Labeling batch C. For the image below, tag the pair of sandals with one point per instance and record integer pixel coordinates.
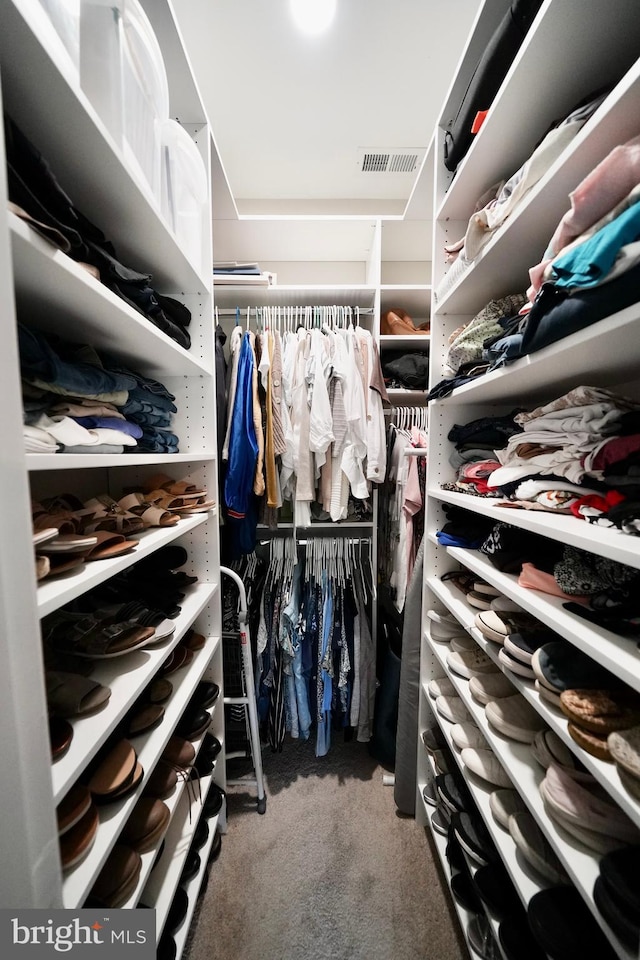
(162, 501)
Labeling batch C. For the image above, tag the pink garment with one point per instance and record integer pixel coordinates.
(534, 579)
(600, 191)
(412, 500)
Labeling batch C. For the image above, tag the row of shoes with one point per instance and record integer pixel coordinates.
(398, 322)
(68, 532)
(572, 796)
(480, 882)
(167, 948)
(603, 713)
(116, 773)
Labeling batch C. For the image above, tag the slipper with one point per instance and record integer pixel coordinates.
(135, 611)
(46, 533)
(175, 504)
(145, 717)
(77, 841)
(151, 513)
(109, 544)
(496, 626)
(178, 488)
(60, 736)
(192, 640)
(198, 506)
(42, 567)
(115, 771)
(70, 695)
(69, 543)
(162, 781)
(84, 636)
(158, 691)
(63, 563)
(105, 513)
(177, 659)
(73, 807)
(118, 878)
(147, 823)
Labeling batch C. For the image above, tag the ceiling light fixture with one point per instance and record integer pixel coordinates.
(313, 16)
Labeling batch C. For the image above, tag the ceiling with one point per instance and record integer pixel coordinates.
(291, 113)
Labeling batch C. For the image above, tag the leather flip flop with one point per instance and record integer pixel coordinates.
(179, 488)
(109, 544)
(143, 718)
(42, 567)
(73, 807)
(41, 536)
(63, 563)
(158, 691)
(146, 825)
(69, 543)
(60, 736)
(177, 659)
(76, 842)
(162, 781)
(151, 513)
(115, 771)
(192, 640)
(118, 878)
(71, 695)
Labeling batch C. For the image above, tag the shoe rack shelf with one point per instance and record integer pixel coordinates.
(160, 888)
(580, 863)
(93, 730)
(148, 748)
(53, 594)
(42, 287)
(562, 60)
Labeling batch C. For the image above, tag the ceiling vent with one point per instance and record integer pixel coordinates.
(389, 161)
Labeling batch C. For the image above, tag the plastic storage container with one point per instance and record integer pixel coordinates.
(122, 73)
(65, 18)
(184, 191)
(100, 61)
(145, 96)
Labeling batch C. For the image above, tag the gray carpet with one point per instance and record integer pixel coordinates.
(330, 872)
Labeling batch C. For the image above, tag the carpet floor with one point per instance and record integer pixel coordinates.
(330, 872)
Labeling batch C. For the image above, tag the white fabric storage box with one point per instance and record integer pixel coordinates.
(184, 190)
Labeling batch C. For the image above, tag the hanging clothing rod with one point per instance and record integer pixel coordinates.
(415, 451)
(231, 311)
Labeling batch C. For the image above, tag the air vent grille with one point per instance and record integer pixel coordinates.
(389, 161)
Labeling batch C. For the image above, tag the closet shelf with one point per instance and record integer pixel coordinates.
(127, 677)
(54, 593)
(556, 369)
(617, 654)
(605, 541)
(399, 395)
(162, 884)
(78, 883)
(525, 880)
(69, 302)
(392, 342)
(580, 55)
(605, 773)
(37, 98)
(415, 298)
(295, 295)
(87, 461)
(440, 843)
(526, 774)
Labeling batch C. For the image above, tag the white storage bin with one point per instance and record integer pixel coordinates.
(145, 94)
(65, 18)
(184, 191)
(100, 61)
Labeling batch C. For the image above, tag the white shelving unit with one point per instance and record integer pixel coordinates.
(579, 55)
(43, 288)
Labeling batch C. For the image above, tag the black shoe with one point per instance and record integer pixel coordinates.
(213, 803)
(191, 867)
(205, 695)
(177, 911)
(201, 835)
(216, 847)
